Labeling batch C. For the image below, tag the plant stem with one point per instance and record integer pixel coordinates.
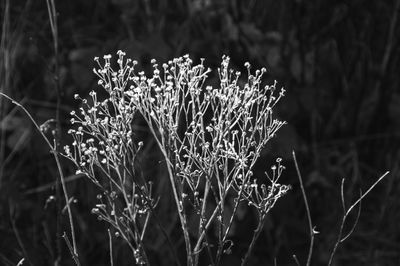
(60, 172)
(237, 201)
(210, 220)
(178, 201)
(347, 212)
(51, 8)
(310, 226)
(18, 236)
(111, 248)
(6, 83)
(202, 217)
(254, 239)
(64, 187)
(337, 240)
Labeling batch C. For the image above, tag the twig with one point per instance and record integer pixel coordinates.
(237, 201)
(296, 260)
(158, 222)
(6, 261)
(310, 225)
(71, 222)
(30, 118)
(254, 239)
(71, 249)
(54, 31)
(163, 231)
(55, 155)
(50, 185)
(18, 236)
(21, 262)
(366, 193)
(354, 224)
(111, 248)
(390, 42)
(51, 8)
(209, 222)
(341, 239)
(5, 85)
(178, 200)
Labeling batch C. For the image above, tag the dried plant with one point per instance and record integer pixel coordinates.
(210, 137)
(104, 150)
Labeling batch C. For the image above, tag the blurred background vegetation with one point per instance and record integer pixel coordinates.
(338, 60)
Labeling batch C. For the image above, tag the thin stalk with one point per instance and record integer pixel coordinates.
(51, 8)
(18, 236)
(136, 234)
(202, 217)
(179, 205)
(157, 219)
(237, 201)
(335, 247)
(167, 238)
(6, 82)
(347, 212)
(146, 222)
(182, 216)
(210, 220)
(70, 248)
(254, 239)
(67, 202)
(56, 158)
(111, 248)
(310, 225)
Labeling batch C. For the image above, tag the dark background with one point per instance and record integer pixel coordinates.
(338, 60)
